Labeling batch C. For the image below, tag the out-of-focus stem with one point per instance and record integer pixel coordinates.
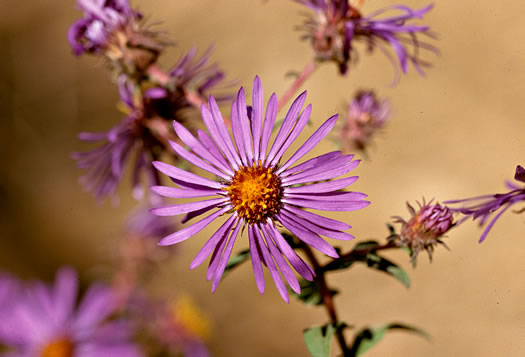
(296, 85)
(327, 295)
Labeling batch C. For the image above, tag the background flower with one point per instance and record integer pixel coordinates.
(45, 321)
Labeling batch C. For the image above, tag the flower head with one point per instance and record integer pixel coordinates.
(336, 26)
(44, 321)
(101, 19)
(142, 136)
(258, 191)
(425, 228)
(366, 114)
(484, 208)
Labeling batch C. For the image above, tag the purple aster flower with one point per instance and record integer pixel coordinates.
(44, 321)
(483, 208)
(366, 114)
(143, 134)
(257, 190)
(101, 19)
(336, 26)
(425, 228)
(9, 290)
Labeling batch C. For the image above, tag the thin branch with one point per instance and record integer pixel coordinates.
(296, 85)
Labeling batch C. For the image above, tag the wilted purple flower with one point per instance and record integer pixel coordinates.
(101, 19)
(336, 26)
(44, 321)
(483, 208)
(143, 134)
(366, 114)
(258, 190)
(425, 228)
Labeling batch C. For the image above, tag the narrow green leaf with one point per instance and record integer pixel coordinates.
(310, 293)
(237, 260)
(369, 337)
(374, 261)
(318, 339)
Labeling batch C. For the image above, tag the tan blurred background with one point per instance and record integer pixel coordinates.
(456, 133)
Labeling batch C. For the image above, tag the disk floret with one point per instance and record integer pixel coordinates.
(255, 192)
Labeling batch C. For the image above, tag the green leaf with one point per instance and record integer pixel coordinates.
(369, 337)
(374, 261)
(237, 260)
(366, 245)
(310, 292)
(318, 339)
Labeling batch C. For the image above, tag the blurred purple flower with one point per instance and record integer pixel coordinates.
(43, 321)
(258, 190)
(483, 208)
(143, 134)
(366, 114)
(145, 225)
(337, 25)
(425, 228)
(101, 19)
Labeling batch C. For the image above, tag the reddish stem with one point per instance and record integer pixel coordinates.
(327, 296)
(296, 85)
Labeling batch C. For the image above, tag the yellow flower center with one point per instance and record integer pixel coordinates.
(59, 348)
(255, 193)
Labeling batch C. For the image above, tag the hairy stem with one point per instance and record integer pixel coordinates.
(327, 295)
(296, 85)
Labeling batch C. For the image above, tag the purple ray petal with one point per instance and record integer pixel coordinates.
(308, 237)
(195, 228)
(269, 122)
(237, 134)
(271, 266)
(185, 176)
(225, 257)
(189, 216)
(312, 141)
(65, 294)
(315, 175)
(216, 255)
(297, 129)
(287, 272)
(174, 210)
(221, 127)
(287, 125)
(211, 146)
(183, 192)
(244, 125)
(210, 245)
(338, 196)
(314, 162)
(194, 144)
(298, 264)
(491, 224)
(255, 254)
(197, 161)
(217, 135)
(327, 206)
(319, 220)
(321, 187)
(330, 233)
(258, 106)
